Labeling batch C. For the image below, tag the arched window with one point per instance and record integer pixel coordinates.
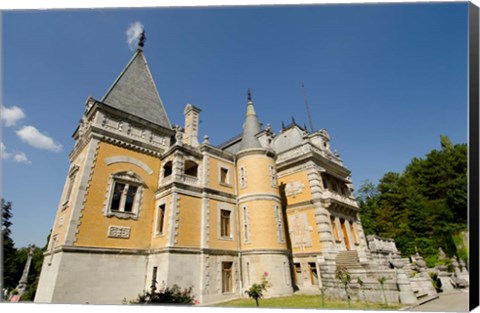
(191, 168)
(167, 169)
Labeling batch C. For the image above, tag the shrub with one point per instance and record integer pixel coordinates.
(172, 295)
(256, 290)
(344, 276)
(437, 283)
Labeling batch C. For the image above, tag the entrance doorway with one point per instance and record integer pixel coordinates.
(345, 234)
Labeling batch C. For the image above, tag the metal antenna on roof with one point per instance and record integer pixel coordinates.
(308, 108)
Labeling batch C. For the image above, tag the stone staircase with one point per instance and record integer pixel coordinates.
(348, 259)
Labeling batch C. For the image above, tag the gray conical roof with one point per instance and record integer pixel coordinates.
(251, 128)
(135, 93)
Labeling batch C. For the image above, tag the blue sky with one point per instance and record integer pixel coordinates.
(384, 80)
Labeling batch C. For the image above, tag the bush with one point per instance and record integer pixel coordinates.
(256, 290)
(437, 283)
(173, 295)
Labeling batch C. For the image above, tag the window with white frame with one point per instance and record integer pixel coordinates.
(125, 195)
(246, 235)
(224, 176)
(227, 281)
(225, 223)
(71, 181)
(273, 176)
(278, 219)
(243, 177)
(160, 219)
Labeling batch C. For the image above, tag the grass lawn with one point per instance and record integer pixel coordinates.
(304, 302)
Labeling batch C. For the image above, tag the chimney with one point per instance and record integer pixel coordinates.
(192, 119)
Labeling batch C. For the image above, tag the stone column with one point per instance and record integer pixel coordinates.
(322, 218)
(22, 284)
(350, 236)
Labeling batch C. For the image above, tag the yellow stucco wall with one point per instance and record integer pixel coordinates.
(59, 229)
(161, 240)
(190, 220)
(262, 225)
(93, 227)
(214, 175)
(257, 174)
(296, 179)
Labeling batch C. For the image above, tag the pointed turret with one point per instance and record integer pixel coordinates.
(251, 127)
(135, 93)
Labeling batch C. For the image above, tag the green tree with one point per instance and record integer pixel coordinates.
(344, 276)
(11, 271)
(423, 207)
(367, 196)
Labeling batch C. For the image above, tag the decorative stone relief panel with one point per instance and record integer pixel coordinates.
(300, 230)
(294, 188)
(118, 232)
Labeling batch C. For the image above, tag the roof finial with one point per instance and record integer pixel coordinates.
(141, 40)
(249, 95)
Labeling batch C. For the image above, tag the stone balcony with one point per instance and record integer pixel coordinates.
(328, 195)
(182, 178)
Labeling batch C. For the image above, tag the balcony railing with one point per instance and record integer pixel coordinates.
(339, 197)
(182, 178)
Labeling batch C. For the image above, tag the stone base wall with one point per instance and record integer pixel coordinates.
(94, 278)
(279, 273)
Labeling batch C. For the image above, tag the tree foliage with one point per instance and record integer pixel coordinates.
(11, 272)
(423, 207)
(14, 259)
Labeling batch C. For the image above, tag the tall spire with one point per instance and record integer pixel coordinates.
(251, 127)
(134, 91)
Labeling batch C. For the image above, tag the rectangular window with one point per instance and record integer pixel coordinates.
(71, 181)
(227, 277)
(278, 217)
(298, 274)
(224, 176)
(273, 176)
(131, 191)
(245, 224)
(243, 177)
(117, 196)
(313, 273)
(286, 272)
(123, 198)
(160, 219)
(224, 223)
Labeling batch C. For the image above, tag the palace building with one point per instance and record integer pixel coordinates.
(144, 200)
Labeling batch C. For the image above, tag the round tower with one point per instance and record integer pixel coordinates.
(262, 224)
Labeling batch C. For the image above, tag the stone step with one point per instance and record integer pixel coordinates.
(348, 259)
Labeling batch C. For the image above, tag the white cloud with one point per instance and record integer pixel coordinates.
(33, 137)
(21, 158)
(11, 115)
(133, 32)
(3, 151)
